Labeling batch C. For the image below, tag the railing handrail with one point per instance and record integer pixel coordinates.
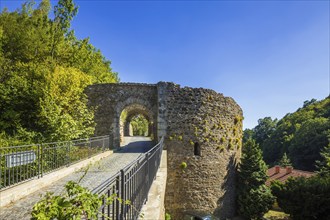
(26, 162)
(19, 146)
(142, 155)
(132, 183)
(57, 142)
(100, 188)
(104, 184)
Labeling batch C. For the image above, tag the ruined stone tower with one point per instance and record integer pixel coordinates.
(203, 137)
(204, 131)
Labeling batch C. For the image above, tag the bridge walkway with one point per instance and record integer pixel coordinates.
(97, 173)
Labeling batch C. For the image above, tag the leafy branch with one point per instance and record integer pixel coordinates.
(77, 203)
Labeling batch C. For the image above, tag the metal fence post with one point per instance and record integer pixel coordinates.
(123, 209)
(2, 183)
(116, 214)
(90, 148)
(68, 154)
(41, 160)
(147, 177)
(39, 165)
(111, 145)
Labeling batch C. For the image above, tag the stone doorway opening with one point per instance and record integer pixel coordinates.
(136, 120)
(136, 125)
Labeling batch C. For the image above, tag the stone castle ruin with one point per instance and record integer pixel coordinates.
(203, 138)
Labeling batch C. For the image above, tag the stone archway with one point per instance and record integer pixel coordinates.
(129, 113)
(110, 100)
(133, 108)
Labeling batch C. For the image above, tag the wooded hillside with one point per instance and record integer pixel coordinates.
(44, 69)
(301, 135)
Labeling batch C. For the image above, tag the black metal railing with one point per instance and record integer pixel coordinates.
(22, 163)
(125, 193)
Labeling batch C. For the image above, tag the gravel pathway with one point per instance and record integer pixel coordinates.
(97, 173)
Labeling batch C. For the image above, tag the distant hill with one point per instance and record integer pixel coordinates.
(301, 135)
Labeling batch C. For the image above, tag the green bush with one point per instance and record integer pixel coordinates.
(304, 198)
(78, 203)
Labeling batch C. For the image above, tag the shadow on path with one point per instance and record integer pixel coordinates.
(136, 144)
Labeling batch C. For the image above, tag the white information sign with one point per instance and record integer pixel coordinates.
(20, 158)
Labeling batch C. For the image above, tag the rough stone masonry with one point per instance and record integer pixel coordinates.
(203, 137)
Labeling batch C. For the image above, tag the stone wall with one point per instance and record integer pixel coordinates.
(109, 100)
(202, 129)
(204, 118)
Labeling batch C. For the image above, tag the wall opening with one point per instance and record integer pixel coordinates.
(138, 126)
(197, 149)
(136, 120)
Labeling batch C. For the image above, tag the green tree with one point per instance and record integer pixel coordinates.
(308, 141)
(140, 125)
(254, 197)
(64, 12)
(64, 105)
(247, 134)
(323, 165)
(309, 102)
(285, 161)
(301, 134)
(266, 126)
(35, 53)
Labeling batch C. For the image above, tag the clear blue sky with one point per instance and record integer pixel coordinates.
(270, 56)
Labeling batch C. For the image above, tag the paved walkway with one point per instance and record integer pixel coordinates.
(97, 173)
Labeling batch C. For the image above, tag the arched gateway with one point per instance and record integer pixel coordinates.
(201, 127)
(110, 100)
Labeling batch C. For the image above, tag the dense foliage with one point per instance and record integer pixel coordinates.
(254, 197)
(304, 198)
(140, 125)
(44, 69)
(76, 203)
(301, 135)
